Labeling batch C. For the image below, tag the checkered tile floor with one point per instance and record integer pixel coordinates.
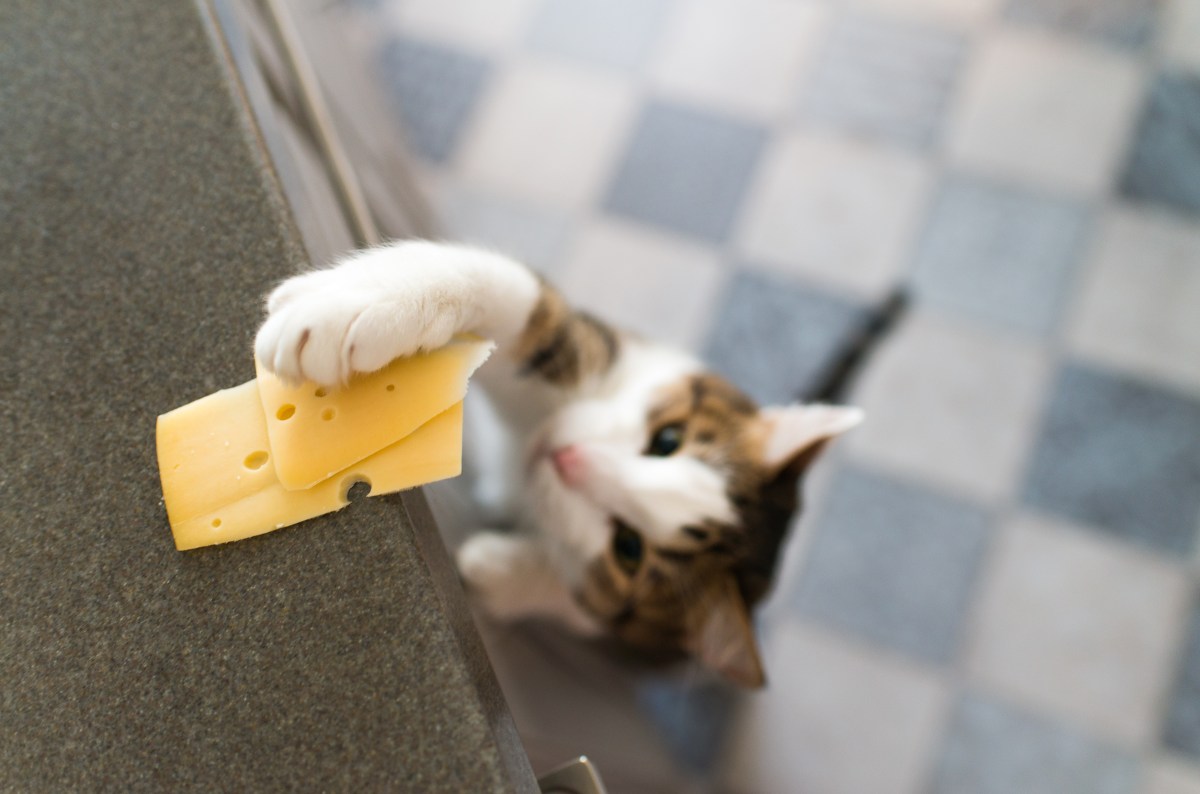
(994, 589)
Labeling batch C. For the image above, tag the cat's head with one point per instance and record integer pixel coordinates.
(667, 499)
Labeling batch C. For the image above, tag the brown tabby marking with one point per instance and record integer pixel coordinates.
(564, 346)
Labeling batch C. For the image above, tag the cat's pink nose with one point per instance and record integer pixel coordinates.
(569, 463)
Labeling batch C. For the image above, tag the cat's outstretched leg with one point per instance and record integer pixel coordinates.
(402, 298)
(391, 301)
(512, 578)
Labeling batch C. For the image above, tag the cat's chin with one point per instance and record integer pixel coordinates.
(548, 486)
(567, 517)
(538, 454)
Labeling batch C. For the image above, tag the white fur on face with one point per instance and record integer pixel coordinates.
(655, 495)
(610, 476)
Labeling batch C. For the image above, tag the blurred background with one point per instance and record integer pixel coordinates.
(994, 586)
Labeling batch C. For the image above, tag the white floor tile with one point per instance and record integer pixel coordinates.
(1138, 305)
(1180, 33)
(836, 210)
(548, 133)
(1074, 625)
(951, 404)
(744, 56)
(654, 284)
(1168, 775)
(486, 25)
(957, 13)
(836, 718)
(611, 34)
(1046, 111)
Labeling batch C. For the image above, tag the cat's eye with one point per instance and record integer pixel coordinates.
(627, 547)
(666, 441)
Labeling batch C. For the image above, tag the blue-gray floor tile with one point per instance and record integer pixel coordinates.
(692, 719)
(992, 748)
(618, 34)
(434, 89)
(686, 169)
(774, 338)
(1127, 23)
(1164, 162)
(886, 78)
(894, 563)
(1120, 455)
(1182, 731)
(1000, 254)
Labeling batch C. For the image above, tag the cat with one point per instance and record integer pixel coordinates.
(658, 493)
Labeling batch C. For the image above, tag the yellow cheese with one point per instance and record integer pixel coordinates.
(214, 457)
(317, 432)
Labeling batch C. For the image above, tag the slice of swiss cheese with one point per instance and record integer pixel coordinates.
(316, 432)
(219, 483)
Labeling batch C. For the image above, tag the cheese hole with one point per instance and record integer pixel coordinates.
(328, 414)
(216, 522)
(391, 387)
(320, 393)
(356, 487)
(286, 411)
(255, 460)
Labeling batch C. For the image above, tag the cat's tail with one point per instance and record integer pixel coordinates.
(834, 382)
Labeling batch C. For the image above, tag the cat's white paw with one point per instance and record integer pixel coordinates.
(326, 325)
(307, 330)
(492, 565)
(511, 578)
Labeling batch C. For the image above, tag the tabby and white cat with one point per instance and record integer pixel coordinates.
(657, 494)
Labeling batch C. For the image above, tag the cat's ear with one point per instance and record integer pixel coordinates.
(795, 433)
(722, 636)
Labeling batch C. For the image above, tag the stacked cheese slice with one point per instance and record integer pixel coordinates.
(264, 455)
